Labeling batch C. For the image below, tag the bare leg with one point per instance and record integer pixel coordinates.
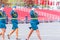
(38, 34)
(31, 31)
(3, 33)
(0, 33)
(16, 33)
(10, 34)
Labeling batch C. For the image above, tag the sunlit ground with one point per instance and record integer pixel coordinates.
(49, 31)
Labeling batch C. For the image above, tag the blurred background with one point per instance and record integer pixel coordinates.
(49, 10)
(49, 18)
(29, 3)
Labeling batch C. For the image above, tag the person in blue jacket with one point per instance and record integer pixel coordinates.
(14, 21)
(34, 22)
(2, 21)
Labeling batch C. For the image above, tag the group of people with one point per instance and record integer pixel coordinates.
(34, 22)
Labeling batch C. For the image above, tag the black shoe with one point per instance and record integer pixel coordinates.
(26, 39)
(30, 27)
(17, 39)
(8, 37)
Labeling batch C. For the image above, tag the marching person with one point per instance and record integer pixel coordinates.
(2, 21)
(34, 22)
(14, 21)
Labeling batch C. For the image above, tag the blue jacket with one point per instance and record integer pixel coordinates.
(14, 17)
(2, 17)
(33, 15)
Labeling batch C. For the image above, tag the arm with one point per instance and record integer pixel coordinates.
(32, 13)
(4, 13)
